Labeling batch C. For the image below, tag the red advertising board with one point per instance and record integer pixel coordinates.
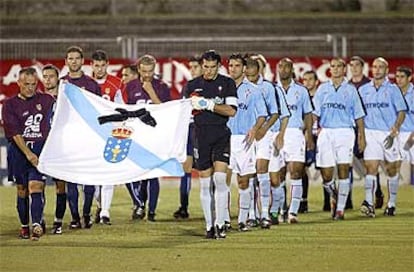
(175, 71)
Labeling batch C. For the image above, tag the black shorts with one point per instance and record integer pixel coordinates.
(211, 144)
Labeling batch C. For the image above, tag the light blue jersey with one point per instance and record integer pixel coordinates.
(337, 107)
(284, 111)
(268, 91)
(299, 104)
(251, 105)
(382, 105)
(408, 124)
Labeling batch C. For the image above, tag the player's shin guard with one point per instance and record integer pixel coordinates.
(107, 192)
(244, 204)
(220, 197)
(73, 198)
(89, 191)
(392, 190)
(276, 196)
(60, 207)
(205, 198)
(23, 210)
(370, 187)
(36, 208)
(154, 192)
(343, 191)
(185, 187)
(252, 205)
(296, 195)
(264, 185)
(330, 188)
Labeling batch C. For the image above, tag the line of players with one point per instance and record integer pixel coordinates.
(262, 149)
(271, 133)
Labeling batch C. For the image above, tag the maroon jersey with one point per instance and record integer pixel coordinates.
(363, 81)
(85, 82)
(136, 94)
(29, 118)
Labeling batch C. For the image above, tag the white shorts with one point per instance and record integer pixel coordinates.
(294, 147)
(407, 155)
(334, 146)
(264, 146)
(277, 161)
(375, 150)
(242, 160)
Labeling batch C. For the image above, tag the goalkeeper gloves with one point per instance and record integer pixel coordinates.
(201, 103)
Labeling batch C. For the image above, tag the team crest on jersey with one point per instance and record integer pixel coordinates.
(107, 90)
(39, 107)
(219, 100)
(118, 145)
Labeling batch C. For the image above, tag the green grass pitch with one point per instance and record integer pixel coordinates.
(317, 243)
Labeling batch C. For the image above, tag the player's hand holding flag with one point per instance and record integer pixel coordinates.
(201, 103)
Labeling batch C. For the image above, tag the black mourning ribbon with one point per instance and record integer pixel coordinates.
(142, 114)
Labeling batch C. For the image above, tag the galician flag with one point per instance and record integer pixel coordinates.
(94, 141)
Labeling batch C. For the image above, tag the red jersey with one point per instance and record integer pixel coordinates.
(110, 86)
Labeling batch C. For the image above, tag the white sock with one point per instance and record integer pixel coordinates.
(257, 201)
(220, 197)
(296, 193)
(228, 202)
(392, 190)
(244, 205)
(276, 195)
(107, 192)
(97, 195)
(370, 187)
(330, 187)
(205, 198)
(264, 185)
(343, 191)
(252, 205)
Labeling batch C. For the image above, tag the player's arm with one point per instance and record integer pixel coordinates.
(266, 126)
(147, 86)
(308, 120)
(251, 134)
(279, 141)
(361, 134)
(229, 108)
(395, 129)
(21, 144)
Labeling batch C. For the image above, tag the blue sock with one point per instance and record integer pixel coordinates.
(43, 202)
(154, 191)
(185, 186)
(23, 210)
(143, 191)
(89, 191)
(36, 208)
(60, 206)
(73, 198)
(133, 189)
(351, 176)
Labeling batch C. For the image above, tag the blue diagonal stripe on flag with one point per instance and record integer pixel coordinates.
(138, 154)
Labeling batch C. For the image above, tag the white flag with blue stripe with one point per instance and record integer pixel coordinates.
(79, 149)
